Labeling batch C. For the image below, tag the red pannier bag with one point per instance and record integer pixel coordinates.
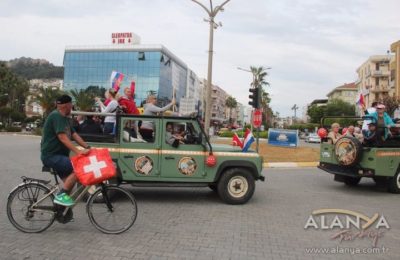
(94, 167)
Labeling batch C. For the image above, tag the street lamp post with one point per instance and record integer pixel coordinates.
(212, 12)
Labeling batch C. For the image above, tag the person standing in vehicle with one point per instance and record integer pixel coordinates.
(109, 121)
(128, 103)
(150, 109)
(367, 112)
(56, 145)
(383, 122)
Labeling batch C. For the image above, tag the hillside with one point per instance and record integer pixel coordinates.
(35, 68)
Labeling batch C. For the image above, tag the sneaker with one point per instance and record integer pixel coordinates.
(64, 200)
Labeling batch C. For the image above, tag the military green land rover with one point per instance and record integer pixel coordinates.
(349, 160)
(152, 160)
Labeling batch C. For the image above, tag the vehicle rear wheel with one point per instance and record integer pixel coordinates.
(394, 183)
(349, 181)
(236, 186)
(24, 211)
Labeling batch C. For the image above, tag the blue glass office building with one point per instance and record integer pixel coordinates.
(153, 67)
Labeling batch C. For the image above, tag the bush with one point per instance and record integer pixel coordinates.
(263, 134)
(13, 129)
(37, 131)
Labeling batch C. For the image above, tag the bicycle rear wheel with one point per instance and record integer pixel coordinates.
(25, 217)
(112, 214)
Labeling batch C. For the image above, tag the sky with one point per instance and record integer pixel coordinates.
(312, 46)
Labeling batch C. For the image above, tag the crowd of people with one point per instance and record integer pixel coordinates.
(114, 103)
(375, 128)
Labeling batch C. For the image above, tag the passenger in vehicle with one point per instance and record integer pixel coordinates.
(383, 122)
(109, 121)
(358, 134)
(127, 102)
(171, 138)
(334, 134)
(150, 108)
(350, 131)
(89, 126)
(370, 136)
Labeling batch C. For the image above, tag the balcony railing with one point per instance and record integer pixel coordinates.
(380, 89)
(380, 73)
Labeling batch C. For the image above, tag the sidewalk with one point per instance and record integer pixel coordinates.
(289, 164)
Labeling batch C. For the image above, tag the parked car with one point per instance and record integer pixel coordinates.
(313, 138)
(16, 124)
(30, 126)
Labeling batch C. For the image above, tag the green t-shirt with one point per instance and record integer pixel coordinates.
(50, 144)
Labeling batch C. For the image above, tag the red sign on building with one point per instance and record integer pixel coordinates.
(122, 38)
(257, 118)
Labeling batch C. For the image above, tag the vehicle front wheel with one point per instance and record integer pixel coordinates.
(349, 181)
(236, 186)
(394, 183)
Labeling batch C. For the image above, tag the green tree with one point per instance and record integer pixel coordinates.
(338, 107)
(96, 91)
(46, 98)
(84, 101)
(391, 104)
(231, 103)
(13, 89)
(315, 113)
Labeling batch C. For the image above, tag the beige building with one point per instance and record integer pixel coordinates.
(374, 78)
(218, 97)
(395, 68)
(346, 92)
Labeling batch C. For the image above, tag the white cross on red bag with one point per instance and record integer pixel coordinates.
(94, 167)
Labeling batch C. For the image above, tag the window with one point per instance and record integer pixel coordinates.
(137, 131)
(181, 133)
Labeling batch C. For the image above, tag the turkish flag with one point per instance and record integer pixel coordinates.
(94, 167)
(236, 141)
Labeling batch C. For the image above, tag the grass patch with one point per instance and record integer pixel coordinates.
(282, 154)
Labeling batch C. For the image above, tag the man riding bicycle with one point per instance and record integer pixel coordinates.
(56, 145)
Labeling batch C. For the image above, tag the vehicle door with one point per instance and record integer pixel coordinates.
(139, 156)
(181, 160)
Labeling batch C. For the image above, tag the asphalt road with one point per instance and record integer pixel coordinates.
(192, 223)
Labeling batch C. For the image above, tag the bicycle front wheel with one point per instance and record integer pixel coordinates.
(26, 217)
(112, 209)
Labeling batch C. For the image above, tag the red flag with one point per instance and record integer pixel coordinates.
(236, 141)
(94, 167)
(361, 101)
(133, 85)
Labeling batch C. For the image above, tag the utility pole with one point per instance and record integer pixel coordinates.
(212, 12)
(295, 107)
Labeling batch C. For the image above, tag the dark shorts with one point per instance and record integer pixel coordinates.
(61, 164)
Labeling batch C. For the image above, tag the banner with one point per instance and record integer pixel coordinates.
(283, 137)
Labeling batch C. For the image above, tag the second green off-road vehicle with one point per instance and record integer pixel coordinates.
(154, 161)
(349, 160)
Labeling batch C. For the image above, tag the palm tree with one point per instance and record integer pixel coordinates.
(84, 100)
(259, 74)
(47, 99)
(231, 103)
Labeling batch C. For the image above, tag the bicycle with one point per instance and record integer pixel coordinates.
(106, 205)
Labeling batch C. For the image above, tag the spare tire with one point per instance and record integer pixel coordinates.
(348, 151)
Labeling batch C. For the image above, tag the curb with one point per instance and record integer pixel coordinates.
(290, 164)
